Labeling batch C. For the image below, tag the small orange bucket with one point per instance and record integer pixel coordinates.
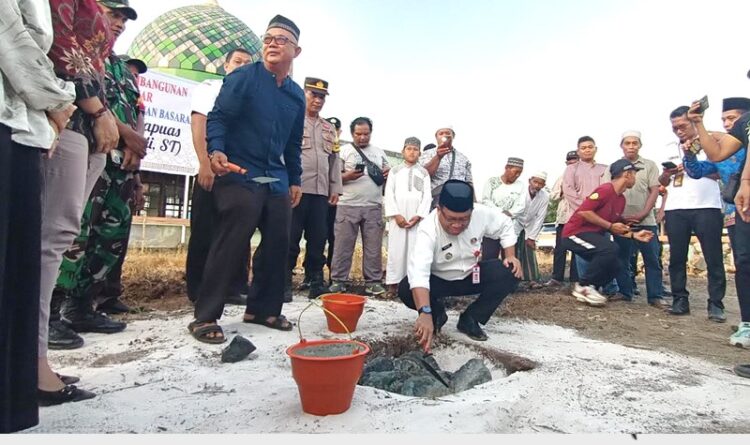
(347, 307)
(326, 373)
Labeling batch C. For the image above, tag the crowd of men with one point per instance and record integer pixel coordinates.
(73, 135)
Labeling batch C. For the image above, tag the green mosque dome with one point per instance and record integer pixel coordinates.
(192, 41)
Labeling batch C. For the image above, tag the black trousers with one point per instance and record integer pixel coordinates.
(241, 210)
(707, 225)
(204, 220)
(20, 268)
(331, 235)
(496, 283)
(310, 217)
(561, 257)
(601, 253)
(741, 250)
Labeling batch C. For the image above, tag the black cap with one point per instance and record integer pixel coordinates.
(138, 63)
(736, 103)
(335, 122)
(122, 6)
(572, 155)
(284, 23)
(621, 166)
(429, 147)
(457, 196)
(315, 84)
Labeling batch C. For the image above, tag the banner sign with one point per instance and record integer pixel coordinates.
(167, 119)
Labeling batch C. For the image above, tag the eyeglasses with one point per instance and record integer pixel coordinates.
(462, 221)
(279, 40)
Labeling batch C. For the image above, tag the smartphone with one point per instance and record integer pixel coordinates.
(359, 167)
(669, 165)
(702, 105)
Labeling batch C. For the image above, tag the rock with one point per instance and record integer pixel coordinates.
(238, 350)
(379, 364)
(471, 374)
(424, 386)
(409, 366)
(385, 380)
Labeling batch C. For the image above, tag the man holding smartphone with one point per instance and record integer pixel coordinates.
(719, 147)
(360, 209)
(445, 162)
(693, 207)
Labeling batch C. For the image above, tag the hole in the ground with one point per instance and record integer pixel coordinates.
(397, 364)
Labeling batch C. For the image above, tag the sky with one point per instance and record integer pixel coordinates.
(513, 78)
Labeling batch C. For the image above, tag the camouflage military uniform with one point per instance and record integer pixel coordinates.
(107, 215)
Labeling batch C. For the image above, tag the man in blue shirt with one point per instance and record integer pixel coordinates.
(254, 135)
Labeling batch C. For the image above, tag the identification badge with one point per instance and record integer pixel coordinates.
(475, 274)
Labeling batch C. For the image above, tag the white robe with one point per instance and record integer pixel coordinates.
(407, 193)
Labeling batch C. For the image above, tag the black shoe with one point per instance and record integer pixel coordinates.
(317, 286)
(680, 306)
(715, 313)
(68, 379)
(62, 337)
(439, 320)
(742, 371)
(113, 305)
(636, 291)
(238, 300)
(307, 282)
(470, 327)
(90, 321)
(70, 393)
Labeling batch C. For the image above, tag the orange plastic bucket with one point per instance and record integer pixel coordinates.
(347, 307)
(326, 382)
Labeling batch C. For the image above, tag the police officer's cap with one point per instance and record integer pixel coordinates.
(316, 85)
(457, 196)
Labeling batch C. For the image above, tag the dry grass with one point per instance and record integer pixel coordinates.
(154, 275)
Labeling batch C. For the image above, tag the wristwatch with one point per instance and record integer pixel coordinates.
(424, 310)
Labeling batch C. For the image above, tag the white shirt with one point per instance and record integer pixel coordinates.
(507, 197)
(452, 257)
(363, 191)
(204, 96)
(700, 193)
(532, 219)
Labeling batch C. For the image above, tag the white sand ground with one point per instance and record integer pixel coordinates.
(155, 378)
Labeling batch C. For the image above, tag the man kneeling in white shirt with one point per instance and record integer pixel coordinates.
(446, 261)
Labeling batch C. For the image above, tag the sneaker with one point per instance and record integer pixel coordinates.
(305, 284)
(552, 283)
(374, 289)
(742, 336)
(715, 313)
(588, 295)
(337, 287)
(62, 337)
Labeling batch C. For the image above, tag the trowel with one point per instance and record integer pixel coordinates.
(234, 168)
(432, 370)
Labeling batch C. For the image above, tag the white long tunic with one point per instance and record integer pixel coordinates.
(532, 219)
(407, 193)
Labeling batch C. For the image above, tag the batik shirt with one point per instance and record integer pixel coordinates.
(82, 43)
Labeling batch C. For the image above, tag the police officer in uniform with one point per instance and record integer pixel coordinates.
(321, 187)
